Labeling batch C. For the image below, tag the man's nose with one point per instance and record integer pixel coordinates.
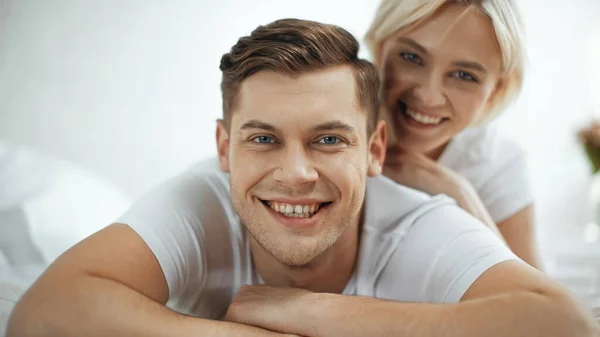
(296, 167)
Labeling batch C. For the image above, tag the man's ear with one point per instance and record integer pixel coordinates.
(377, 148)
(223, 145)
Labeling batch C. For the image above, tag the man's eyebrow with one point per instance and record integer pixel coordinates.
(334, 125)
(256, 124)
(413, 44)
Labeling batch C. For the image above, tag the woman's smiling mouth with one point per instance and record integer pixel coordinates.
(417, 118)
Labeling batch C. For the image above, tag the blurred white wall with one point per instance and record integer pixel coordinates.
(558, 98)
(130, 88)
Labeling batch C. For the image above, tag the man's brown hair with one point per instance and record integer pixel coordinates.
(293, 47)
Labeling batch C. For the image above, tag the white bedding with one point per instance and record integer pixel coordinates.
(46, 206)
(9, 294)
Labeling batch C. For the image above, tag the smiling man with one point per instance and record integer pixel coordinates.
(293, 218)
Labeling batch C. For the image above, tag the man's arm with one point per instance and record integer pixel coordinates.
(468, 283)
(510, 299)
(109, 285)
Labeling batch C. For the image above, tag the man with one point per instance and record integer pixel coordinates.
(302, 210)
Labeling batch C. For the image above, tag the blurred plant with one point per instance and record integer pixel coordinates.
(590, 136)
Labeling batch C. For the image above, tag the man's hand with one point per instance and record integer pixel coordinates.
(275, 309)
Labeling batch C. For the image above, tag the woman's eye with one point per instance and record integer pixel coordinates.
(465, 76)
(329, 140)
(263, 140)
(410, 57)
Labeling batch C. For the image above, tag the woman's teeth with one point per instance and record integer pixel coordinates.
(294, 211)
(423, 119)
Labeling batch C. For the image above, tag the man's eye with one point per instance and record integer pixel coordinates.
(329, 140)
(263, 140)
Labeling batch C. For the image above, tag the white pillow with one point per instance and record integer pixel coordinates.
(77, 205)
(9, 294)
(61, 204)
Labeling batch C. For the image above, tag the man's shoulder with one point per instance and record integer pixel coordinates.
(205, 170)
(413, 244)
(419, 248)
(439, 257)
(197, 195)
(391, 207)
(202, 180)
(190, 224)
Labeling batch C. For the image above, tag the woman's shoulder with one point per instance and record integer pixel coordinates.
(485, 145)
(496, 166)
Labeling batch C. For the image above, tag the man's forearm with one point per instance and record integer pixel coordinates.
(523, 314)
(91, 306)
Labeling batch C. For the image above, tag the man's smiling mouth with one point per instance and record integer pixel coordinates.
(295, 210)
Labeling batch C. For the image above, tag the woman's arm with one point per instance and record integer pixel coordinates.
(519, 233)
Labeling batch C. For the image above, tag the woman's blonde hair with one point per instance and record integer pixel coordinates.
(393, 15)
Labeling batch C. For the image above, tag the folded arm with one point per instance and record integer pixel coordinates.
(109, 285)
(445, 257)
(510, 299)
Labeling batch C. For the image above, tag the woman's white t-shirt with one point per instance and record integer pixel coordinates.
(495, 165)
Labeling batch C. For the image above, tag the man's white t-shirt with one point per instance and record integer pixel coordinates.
(414, 248)
(496, 167)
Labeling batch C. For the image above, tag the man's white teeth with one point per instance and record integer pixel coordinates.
(295, 211)
(423, 118)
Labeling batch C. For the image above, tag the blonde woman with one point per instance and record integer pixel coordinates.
(447, 68)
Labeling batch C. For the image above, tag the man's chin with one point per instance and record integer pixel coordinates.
(292, 252)
(298, 252)
(296, 261)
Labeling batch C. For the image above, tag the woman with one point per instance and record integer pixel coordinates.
(447, 67)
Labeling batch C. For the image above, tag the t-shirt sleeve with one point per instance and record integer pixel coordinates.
(165, 220)
(507, 189)
(443, 254)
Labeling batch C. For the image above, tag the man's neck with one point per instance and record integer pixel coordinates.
(329, 272)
